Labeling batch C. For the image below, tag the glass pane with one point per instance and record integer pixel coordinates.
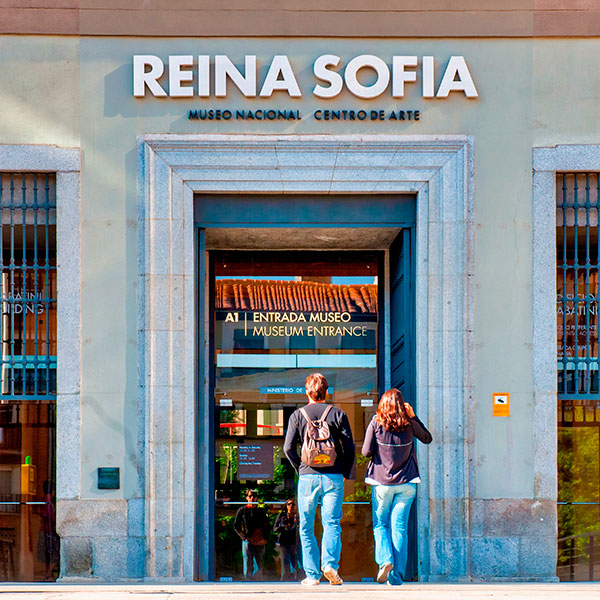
(578, 489)
(27, 285)
(577, 244)
(278, 318)
(29, 546)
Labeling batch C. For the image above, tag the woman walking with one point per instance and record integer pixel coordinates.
(393, 475)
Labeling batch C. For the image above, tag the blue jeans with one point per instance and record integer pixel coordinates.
(391, 507)
(252, 554)
(329, 490)
(288, 555)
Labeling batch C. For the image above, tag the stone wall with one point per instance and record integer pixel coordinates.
(101, 539)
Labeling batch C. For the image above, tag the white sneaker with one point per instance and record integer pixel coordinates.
(333, 576)
(384, 571)
(310, 581)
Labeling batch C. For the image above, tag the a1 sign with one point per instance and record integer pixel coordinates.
(501, 405)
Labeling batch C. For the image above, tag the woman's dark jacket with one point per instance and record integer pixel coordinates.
(392, 453)
(286, 528)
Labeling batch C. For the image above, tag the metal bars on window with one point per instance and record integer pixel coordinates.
(28, 286)
(578, 249)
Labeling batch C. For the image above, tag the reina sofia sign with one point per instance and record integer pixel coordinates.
(190, 76)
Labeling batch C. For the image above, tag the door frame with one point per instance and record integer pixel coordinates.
(439, 170)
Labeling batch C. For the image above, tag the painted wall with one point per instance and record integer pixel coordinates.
(503, 140)
(39, 90)
(74, 92)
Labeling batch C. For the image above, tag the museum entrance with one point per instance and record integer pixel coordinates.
(289, 285)
(277, 317)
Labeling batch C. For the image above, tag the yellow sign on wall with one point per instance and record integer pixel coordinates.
(28, 483)
(501, 405)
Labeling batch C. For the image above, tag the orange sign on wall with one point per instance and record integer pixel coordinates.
(501, 405)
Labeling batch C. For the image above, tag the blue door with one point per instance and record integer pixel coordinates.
(402, 326)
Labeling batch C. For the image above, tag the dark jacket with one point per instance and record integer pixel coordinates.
(286, 528)
(392, 453)
(341, 433)
(252, 525)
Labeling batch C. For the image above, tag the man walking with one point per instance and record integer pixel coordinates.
(327, 457)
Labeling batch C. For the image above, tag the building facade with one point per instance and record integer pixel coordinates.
(200, 206)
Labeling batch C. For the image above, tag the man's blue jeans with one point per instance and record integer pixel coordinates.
(391, 507)
(252, 554)
(329, 490)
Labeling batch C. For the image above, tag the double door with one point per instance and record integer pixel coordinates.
(277, 317)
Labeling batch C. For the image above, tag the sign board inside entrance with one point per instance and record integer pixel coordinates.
(255, 461)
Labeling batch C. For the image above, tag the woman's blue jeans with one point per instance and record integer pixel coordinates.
(391, 507)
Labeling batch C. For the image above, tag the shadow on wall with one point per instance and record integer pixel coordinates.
(120, 101)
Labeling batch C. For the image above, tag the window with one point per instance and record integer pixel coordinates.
(28, 286)
(28, 542)
(578, 211)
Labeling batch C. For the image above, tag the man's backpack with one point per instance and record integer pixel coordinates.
(318, 447)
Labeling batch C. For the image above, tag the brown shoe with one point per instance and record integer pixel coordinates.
(333, 576)
(384, 571)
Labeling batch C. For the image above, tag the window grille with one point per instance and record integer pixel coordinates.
(578, 212)
(28, 286)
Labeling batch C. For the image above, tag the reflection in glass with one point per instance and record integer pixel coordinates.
(277, 318)
(577, 252)
(578, 488)
(29, 545)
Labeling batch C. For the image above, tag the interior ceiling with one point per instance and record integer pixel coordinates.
(301, 238)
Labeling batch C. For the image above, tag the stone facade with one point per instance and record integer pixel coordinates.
(152, 537)
(472, 524)
(317, 164)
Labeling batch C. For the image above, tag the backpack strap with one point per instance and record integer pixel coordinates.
(326, 412)
(323, 416)
(305, 414)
